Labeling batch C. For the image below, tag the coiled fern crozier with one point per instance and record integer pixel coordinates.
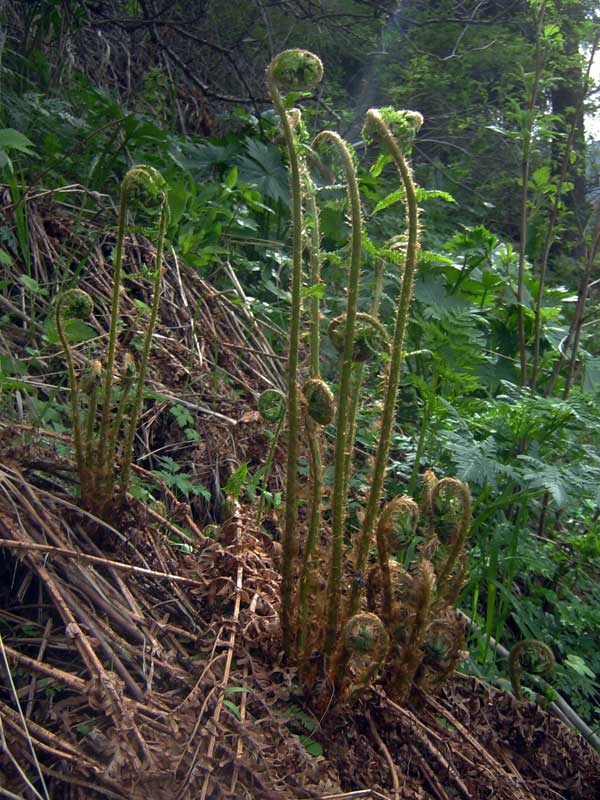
(528, 655)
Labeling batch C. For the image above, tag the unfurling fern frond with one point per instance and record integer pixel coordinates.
(529, 655)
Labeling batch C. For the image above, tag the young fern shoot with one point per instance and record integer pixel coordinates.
(271, 407)
(339, 482)
(74, 304)
(158, 194)
(410, 636)
(292, 70)
(320, 410)
(142, 188)
(394, 130)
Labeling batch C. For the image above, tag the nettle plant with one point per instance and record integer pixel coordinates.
(346, 622)
(104, 411)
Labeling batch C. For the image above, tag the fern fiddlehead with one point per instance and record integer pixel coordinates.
(528, 655)
(366, 642)
(370, 337)
(320, 401)
(406, 666)
(396, 526)
(149, 191)
(451, 490)
(292, 70)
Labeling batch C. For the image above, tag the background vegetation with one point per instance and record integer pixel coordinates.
(502, 376)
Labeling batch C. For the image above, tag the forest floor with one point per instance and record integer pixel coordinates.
(142, 658)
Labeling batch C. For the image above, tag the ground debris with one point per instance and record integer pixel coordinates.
(139, 685)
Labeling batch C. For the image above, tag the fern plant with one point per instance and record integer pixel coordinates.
(96, 446)
(292, 70)
(409, 633)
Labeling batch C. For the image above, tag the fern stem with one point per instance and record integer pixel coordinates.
(339, 484)
(309, 556)
(313, 434)
(290, 66)
(396, 360)
(267, 472)
(358, 379)
(74, 395)
(137, 402)
(291, 511)
(103, 468)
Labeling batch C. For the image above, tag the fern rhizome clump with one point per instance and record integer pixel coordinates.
(110, 413)
(346, 622)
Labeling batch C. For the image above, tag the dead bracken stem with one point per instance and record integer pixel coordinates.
(387, 756)
(228, 662)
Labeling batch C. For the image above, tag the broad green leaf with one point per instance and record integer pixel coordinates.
(32, 285)
(79, 331)
(76, 330)
(433, 194)
(541, 178)
(578, 665)
(551, 30)
(262, 167)
(178, 200)
(317, 290)
(198, 158)
(12, 366)
(10, 139)
(591, 374)
(377, 168)
(231, 178)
